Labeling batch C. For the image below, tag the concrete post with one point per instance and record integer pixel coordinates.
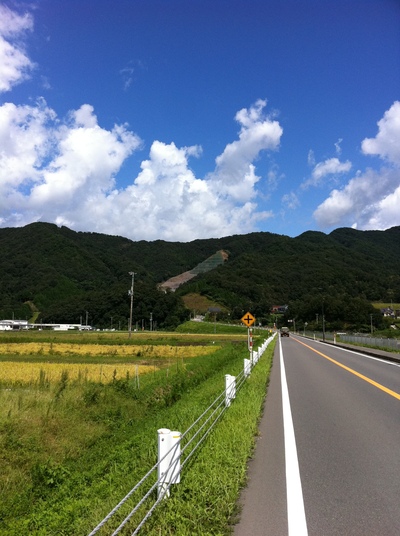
(164, 459)
(230, 389)
(169, 464)
(247, 367)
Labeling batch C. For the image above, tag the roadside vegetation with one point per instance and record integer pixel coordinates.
(73, 444)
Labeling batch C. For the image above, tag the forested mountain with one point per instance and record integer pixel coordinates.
(62, 274)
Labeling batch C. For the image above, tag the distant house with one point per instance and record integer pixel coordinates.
(388, 312)
(279, 309)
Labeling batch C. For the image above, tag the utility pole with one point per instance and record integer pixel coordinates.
(130, 293)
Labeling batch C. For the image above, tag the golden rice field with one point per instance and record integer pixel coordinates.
(11, 371)
(27, 372)
(144, 351)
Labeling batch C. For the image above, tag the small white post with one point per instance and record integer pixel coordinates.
(230, 389)
(169, 464)
(247, 367)
(227, 388)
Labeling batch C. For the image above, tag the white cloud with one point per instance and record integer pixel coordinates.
(274, 177)
(386, 144)
(66, 171)
(128, 72)
(48, 166)
(357, 201)
(127, 76)
(370, 200)
(234, 175)
(291, 200)
(330, 167)
(337, 146)
(14, 63)
(25, 139)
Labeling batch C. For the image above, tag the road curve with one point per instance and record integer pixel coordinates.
(345, 414)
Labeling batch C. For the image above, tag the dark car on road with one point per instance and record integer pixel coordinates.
(285, 332)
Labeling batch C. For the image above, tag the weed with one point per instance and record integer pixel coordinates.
(62, 385)
(91, 394)
(47, 475)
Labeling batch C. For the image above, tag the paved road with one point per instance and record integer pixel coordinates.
(327, 461)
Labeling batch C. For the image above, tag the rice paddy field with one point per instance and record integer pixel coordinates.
(79, 414)
(49, 360)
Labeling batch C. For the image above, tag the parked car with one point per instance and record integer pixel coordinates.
(285, 332)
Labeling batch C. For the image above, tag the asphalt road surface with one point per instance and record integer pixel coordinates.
(327, 461)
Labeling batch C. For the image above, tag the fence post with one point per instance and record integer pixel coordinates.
(169, 465)
(247, 367)
(230, 389)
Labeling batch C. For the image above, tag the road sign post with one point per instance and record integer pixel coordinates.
(248, 319)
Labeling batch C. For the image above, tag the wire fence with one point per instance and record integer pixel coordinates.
(380, 342)
(387, 343)
(189, 443)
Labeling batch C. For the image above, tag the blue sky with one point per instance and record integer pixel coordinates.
(185, 119)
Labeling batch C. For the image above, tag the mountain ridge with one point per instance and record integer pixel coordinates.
(66, 273)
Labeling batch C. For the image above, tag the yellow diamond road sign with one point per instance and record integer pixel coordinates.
(248, 319)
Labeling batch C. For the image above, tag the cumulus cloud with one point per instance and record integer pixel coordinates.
(66, 171)
(386, 144)
(330, 167)
(14, 63)
(359, 201)
(48, 166)
(370, 200)
(234, 175)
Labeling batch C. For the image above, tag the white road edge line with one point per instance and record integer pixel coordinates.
(297, 523)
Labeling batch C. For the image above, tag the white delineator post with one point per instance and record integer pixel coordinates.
(247, 367)
(230, 389)
(169, 466)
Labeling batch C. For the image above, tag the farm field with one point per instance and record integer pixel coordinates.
(71, 443)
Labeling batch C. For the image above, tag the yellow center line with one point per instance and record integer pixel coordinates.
(365, 378)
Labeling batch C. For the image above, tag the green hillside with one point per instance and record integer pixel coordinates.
(63, 274)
